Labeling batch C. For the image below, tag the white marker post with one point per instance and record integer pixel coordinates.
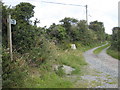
(73, 46)
(10, 21)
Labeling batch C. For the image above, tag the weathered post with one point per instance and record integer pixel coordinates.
(9, 36)
(119, 14)
(86, 13)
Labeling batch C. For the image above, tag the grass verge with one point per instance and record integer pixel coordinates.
(43, 76)
(49, 80)
(113, 53)
(98, 50)
(74, 59)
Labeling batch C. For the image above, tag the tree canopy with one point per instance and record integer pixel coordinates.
(24, 11)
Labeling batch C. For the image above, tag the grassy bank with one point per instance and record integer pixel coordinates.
(46, 77)
(113, 53)
(43, 75)
(98, 50)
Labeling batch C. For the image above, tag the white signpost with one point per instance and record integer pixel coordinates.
(13, 21)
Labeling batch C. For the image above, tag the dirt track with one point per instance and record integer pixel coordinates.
(106, 65)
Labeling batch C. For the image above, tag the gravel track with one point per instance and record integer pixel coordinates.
(105, 64)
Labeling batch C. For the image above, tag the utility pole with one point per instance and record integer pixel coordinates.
(119, 14)
(86, 6)
(86, 13)
(9, 36)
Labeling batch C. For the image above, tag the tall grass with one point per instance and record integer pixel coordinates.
(113, 53)
(73, 58)
(49, 80)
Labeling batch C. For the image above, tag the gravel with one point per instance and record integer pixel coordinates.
(102, 63)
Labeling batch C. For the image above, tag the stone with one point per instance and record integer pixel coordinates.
(67, 69)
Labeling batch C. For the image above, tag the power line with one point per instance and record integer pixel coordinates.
(63, 3)
(86, 6)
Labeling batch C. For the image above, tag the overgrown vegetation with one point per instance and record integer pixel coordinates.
(113, 53)
(37, 49)
(114, 49)
(98, 50)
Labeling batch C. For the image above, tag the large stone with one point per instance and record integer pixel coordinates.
(67, 69)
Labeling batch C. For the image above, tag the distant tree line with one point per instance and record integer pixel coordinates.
(74, 30)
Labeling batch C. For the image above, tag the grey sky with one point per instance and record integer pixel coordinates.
(105, 11)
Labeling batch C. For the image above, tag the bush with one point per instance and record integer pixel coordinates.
(14, 71)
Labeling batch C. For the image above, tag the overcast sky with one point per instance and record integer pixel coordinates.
(105, 11)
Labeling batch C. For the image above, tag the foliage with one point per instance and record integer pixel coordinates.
(86, 36)
(73, 59)
(23, 12)
(42, 52)
(98, 27)
(115, 42)
(67, 22)
(49, 80)
(57, 31)
(108, 37)
(4, 24)
(114, 49)
(14, 71)
(113, 53)
(60, 72)
(98, 50)
(73, 30)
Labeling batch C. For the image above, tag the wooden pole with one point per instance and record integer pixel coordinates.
(86, 14)
(119, 14)
(9, 37)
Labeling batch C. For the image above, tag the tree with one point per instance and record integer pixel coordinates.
(4, 25)
(23, 12)
(36, 21)
(57, 31)
(86, 36)
(115, 42)
(67, 23)
(23, 32)
(98, 27)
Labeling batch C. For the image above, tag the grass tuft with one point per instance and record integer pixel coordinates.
(98, 50)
